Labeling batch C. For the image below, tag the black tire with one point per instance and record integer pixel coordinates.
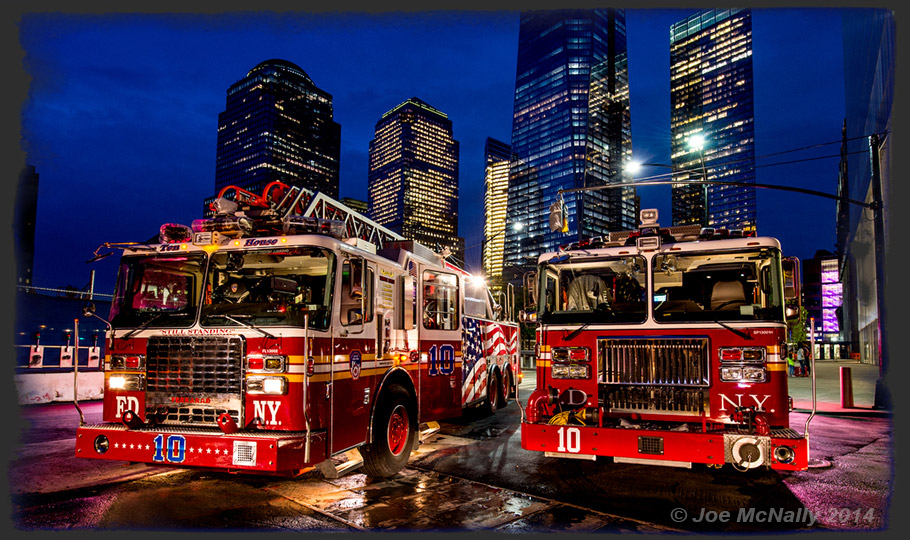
(507, 392)
(492, 401)
(394, 434)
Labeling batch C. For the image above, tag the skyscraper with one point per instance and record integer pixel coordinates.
(277, 125)
(712, 103)
(413, 175)
(570, 129)
(498, 156)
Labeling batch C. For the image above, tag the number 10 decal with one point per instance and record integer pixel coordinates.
(176, 446)
(445, 364)
(569, 440)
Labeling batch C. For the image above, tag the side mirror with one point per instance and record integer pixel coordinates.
(791, 313)
(527, 317)
(530, 286)
(790, 266)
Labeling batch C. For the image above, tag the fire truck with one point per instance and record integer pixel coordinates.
(288, 332)
(665, 346)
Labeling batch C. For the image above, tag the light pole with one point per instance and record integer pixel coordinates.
(697, 142)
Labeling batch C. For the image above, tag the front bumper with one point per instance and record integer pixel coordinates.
(669, 447)
(254, 452)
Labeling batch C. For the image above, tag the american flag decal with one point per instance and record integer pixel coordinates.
(483, 343)
(473, 363)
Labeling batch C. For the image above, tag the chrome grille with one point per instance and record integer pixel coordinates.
(654, 362)
(195, 365)
(659, 399)
(193, 380)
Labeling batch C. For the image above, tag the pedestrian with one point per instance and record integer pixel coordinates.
(804, 362)
(791, 363)
(800, 359)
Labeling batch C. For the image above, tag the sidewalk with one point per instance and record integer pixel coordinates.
(828, 389)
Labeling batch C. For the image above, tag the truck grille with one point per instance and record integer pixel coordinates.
(659, 399)
(192, 380)
(654, 375)
(654, 362)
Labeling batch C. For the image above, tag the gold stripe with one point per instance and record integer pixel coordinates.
(776, 367)
(773, 349)
(543, 363)
(544, 348)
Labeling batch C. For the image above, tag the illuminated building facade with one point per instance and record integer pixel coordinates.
(869, 60)
(712, 97)
(571, 128)
(498, 157)
(413, 176)
(823, 296)
(277, 125)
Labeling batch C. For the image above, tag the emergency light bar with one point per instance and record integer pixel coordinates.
(226, 225)
(171, 233)
(309, 225)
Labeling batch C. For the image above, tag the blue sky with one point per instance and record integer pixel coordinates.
(122, 110)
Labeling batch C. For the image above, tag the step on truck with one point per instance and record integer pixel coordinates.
(288, 332)
(664, 346)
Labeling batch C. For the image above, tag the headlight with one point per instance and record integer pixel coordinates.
(126, 381)
(569, 371)
(266, 385)
(752, 374)
(731, 373)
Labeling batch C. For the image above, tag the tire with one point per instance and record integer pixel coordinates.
(394, 433)
(506, 389)
(491, 404)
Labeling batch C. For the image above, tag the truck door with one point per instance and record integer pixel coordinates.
(354, 356)
(440, 345)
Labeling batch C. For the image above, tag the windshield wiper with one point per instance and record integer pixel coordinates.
(736, 331)
(577, 331)
(144, 325)
(244, 323)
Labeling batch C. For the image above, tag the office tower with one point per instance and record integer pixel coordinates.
(497, 159)
(570, 129)
(24, 219)
(357, 205)
(869, 65)
(712, 119)
(413, 176)
(277, 125)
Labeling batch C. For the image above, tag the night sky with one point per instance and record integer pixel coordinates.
(122, 111)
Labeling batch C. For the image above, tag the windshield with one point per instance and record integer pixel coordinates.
(737, 286)
(597, 291)
(275, 287)
(157, 291)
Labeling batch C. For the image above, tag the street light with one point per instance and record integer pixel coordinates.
(697, 142)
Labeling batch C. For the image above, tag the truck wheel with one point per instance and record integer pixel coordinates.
(506, 390)
(394, 433)
(491, 404)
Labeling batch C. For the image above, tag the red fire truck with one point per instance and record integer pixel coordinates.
(287, 329)
(665, 346)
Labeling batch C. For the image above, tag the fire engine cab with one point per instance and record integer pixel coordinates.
(665, 346)
(287, 329)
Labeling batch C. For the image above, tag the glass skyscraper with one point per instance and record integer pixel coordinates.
(497, 159)
(570, 129)
(711, 98)
(413, 176)
(277, 125)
